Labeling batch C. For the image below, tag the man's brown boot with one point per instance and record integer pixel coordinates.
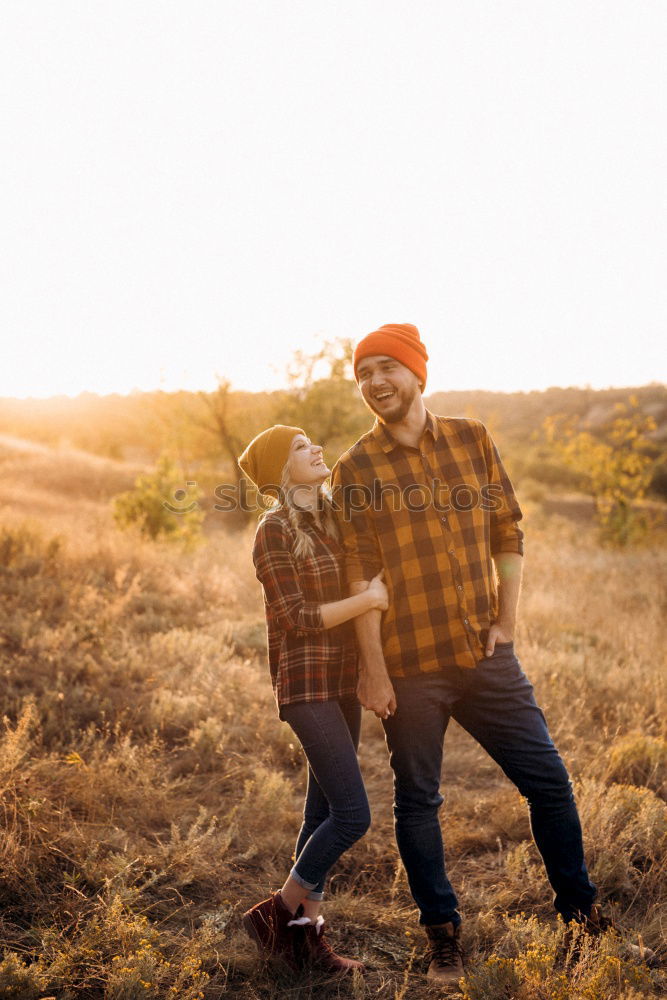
(268, 924)
(445, 953)
(318, 953)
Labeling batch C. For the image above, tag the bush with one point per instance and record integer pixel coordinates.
(637, 759)
(526, 966)
(626, 835)
(19, 979)
(155, 505)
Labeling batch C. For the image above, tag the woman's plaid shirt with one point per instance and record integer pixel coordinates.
(433, 517)
(307, 661)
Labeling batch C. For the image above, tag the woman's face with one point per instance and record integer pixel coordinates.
(305, 462)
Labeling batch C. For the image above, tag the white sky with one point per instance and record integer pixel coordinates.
(199, 187)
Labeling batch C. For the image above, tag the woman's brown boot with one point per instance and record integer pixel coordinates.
(318, 953)
(268, 924)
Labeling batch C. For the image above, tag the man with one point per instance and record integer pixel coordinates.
(427, 499)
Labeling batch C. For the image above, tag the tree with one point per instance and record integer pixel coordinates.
(617, 463)
(233, 419)
(322, 397)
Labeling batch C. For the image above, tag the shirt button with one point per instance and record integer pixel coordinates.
(444, 520)
(459, 587)
(466, 621)
(451, 552)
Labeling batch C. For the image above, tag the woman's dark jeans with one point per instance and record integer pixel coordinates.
(494, 703)
(336, 811)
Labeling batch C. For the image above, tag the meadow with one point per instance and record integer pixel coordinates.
(150, 794)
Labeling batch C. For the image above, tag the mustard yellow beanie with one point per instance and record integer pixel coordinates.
(264, 458)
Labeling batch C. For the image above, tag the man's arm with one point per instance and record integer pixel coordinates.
(506, 535)
(362, 560)
(374, 690)
(510, 568)
(506, 544)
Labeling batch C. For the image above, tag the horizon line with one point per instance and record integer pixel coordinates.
(135, 391)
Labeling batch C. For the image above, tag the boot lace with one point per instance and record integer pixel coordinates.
(445, 950)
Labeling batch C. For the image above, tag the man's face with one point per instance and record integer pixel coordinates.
(388, 387)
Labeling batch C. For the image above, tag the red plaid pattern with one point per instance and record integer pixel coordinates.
(436, 552)
(307, 661)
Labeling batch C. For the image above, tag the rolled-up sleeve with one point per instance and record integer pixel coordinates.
(276, 571)
(506, 536)
(363, 559)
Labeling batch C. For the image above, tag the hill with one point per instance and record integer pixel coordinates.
(127, 427)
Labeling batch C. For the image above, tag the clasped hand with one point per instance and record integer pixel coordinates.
(378, 591)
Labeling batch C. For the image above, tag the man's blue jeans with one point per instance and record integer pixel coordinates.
(336, 811)
(494, 703)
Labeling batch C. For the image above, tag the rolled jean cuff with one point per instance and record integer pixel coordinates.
(317, 896)
(301, 881)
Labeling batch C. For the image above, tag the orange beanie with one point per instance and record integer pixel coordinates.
(264, 459)
(397, 340)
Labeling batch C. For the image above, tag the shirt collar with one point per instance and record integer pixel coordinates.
(387, 442)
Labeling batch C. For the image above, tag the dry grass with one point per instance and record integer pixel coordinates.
(149, 792)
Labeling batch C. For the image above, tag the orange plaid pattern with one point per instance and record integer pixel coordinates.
(433, 517)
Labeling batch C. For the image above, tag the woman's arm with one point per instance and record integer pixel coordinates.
(278, 575)
(374, 598)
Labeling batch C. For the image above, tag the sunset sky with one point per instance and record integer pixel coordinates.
(197, 188)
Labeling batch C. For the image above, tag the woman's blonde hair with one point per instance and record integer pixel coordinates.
(304, 545)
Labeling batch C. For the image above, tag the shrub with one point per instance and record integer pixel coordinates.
(637, 759)
(20, 980)
(626, 835)
(526, 965)
(155, 505)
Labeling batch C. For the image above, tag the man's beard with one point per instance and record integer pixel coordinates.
(404, 398)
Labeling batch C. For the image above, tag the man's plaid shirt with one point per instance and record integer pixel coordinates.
(307, 661)
(433, 517)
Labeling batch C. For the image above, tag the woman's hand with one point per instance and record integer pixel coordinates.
(378, 592)
(374, 597)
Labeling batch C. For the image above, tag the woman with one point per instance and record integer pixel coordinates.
(313, 663)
